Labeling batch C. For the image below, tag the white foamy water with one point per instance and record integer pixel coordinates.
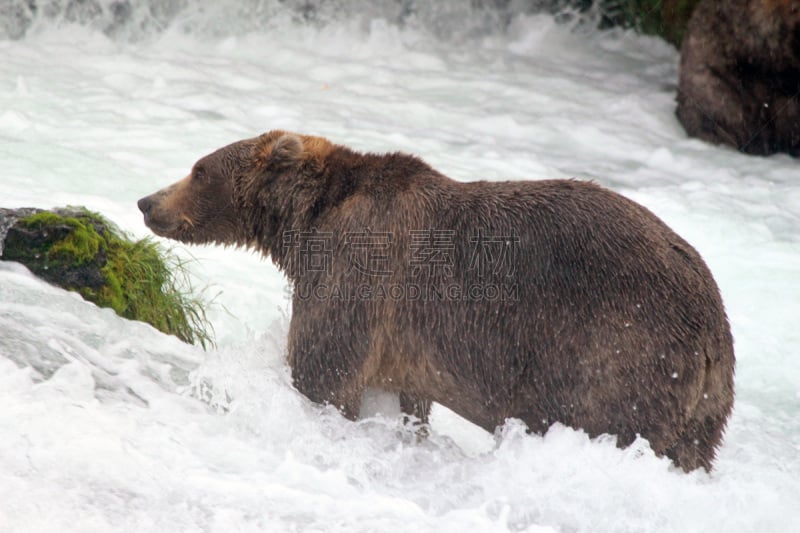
(108, 425)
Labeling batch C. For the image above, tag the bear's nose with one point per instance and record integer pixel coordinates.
(145, 204)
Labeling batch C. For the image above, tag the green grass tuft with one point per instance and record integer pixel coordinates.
(148, 283)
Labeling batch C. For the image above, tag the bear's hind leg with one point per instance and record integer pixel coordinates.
(419, 408)
(697, 443)
(696, 447)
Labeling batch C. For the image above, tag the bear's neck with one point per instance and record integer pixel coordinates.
(347, 182)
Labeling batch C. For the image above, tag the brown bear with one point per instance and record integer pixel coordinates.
(740, 75)
(547, 301)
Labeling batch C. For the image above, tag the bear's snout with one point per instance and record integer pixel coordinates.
(145, 205)
(155, 217)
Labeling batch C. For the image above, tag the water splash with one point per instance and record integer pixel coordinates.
(129, 20)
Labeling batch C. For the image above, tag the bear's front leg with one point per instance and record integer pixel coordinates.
(419, 408)
(329, 387)
(415, 406)
(323, 371)
(327, 354)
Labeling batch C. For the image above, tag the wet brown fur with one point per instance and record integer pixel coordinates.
(616, 327)
(740, 75)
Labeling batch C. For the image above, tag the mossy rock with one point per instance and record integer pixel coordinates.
(82, 252)
(675, 15)
(665, 18)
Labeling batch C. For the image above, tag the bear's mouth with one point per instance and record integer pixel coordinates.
(171, 229)
(165, 222)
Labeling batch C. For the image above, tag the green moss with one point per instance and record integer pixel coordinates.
(139, 279)
(81, 244)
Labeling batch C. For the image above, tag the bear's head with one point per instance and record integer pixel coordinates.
(245, 194)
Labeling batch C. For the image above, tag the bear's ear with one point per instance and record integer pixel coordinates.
(278, 151)
(287, 151)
